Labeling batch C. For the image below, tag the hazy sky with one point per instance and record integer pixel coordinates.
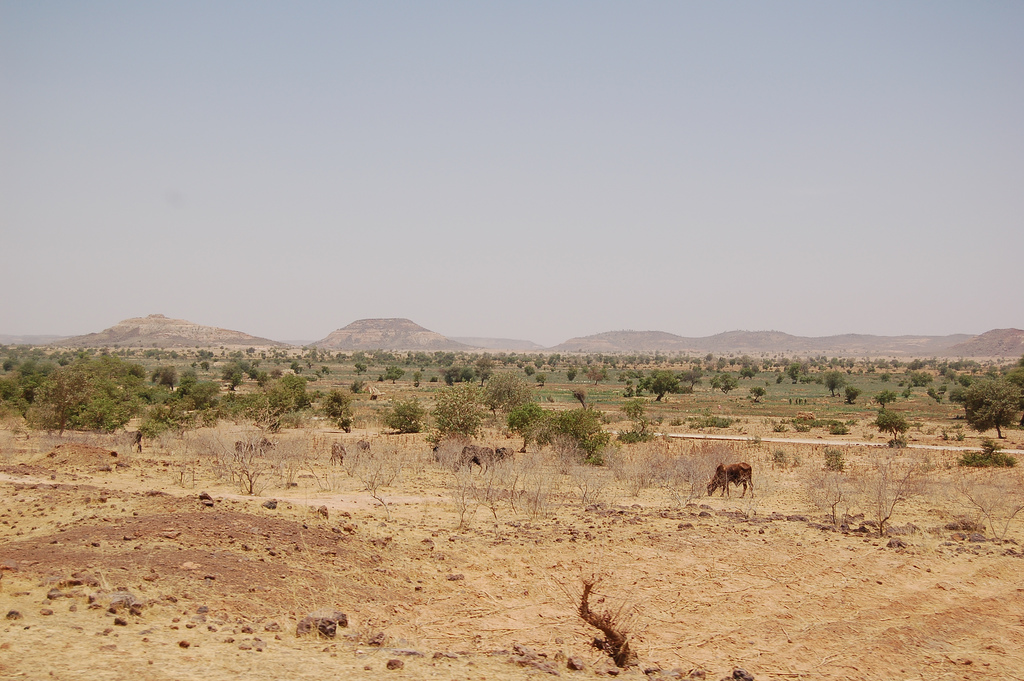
(533, 170)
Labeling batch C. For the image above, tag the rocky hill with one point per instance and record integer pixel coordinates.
(757, 342)
(994, 343)
(158, 331)
(388, 334)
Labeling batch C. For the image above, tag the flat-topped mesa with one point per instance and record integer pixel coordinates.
(158, 331)
(388, 334)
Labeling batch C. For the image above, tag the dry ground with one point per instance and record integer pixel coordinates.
(703, 584)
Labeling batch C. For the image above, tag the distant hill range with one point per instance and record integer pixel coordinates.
(1000, 343)
(29, 340)
(499, 344)
(388, 334)
(158, 331)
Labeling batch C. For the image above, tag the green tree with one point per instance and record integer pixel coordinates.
(659, 383)
(892, 422)
(725, 382)
(583, 426)
(636, 411)
(360, 367)
(757, 392)
(851, 394)
(992, 403)
(525, 420)
(793, 371)
(748, 371)
(458, 410)
(834, 380)
(571, 374)
(691, 377)
(885, 397)
(506, 391)
(337, 406)
(405, 416)
(484, 367)
(597, 374)
(393, 373)
(166, 376)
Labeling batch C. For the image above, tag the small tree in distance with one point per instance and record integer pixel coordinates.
(894, 423)
(851, 394)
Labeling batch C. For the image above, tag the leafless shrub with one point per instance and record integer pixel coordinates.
(995, 495)
(249, 463)
(287, 458)
(640, 467)
(889, 480)
(375, 469)
(589, 482)
(831, 491)
(567, 453)
(536, 483)
(463, 494)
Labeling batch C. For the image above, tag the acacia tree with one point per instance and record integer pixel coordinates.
(505, 391)
(659, 383)
(458, 410)
(725, 382)
(991, 403)
(834, 380)
(893, 422)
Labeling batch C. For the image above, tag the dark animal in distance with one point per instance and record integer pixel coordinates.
(260, 447)
(363, 446)
(734, 473)
(134, 440)
(338, 453)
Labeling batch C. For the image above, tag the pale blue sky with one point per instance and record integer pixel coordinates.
(529, 170)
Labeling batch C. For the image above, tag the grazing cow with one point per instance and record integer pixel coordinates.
(734, 473)
(134, 440)
(338, 453)
(363, 446)
(502, 453)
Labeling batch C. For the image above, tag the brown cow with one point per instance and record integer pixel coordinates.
(734, 473)
(134, 438)
(338, 453)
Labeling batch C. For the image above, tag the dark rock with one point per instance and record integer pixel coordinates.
(184, 644)
(203, 496)
(394, 663)
(977, 538)
(54, 594)
(704, 514)
(325, 625)
(270, 503)
(575, 664)
(46, 611)
(456, 577)
(272, 626)
(797, 518)
(740, 674)
(120, 622)
(896, 543)
(377, 639)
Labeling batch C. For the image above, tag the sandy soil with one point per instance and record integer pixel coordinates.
(703, 587)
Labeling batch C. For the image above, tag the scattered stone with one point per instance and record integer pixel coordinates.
(270, 503)
(325, 625)
(456, 577)
(976, 537)
(272, 626)
(204, 496)
(896, 543)
(323, 512)
(377, 639)
(120, 622)
(46, 611)
(122, 599)
(54, 594)
(739, 674)
(575, 664)
(395, 663)
(184, 644)
(451, 656)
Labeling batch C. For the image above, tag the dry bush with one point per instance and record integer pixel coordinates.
(287, 457)
(994, 496)
(537, 483)
(589, 482)
(463, 494)
(640, 467)
(567, 453)
(889, 480)
(831, 491)
(376, 468)
(250, 465)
